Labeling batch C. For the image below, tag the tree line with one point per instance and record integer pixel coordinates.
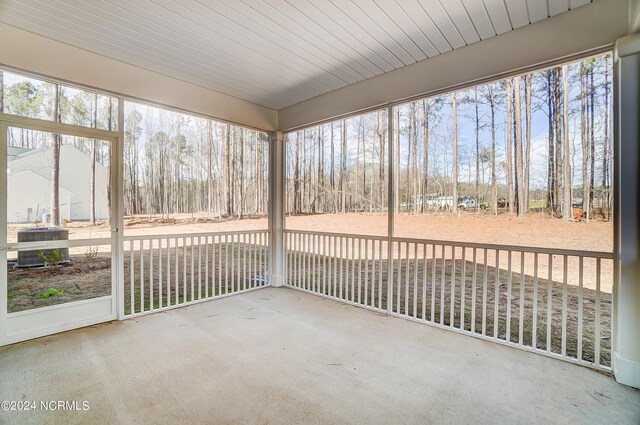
(176, 163)
(538, 141)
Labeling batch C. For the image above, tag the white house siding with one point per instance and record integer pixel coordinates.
(29, 196)
(75, 180)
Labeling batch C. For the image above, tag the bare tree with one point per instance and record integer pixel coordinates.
(521, 207)
(454, 111)
(510, 194)
(492, 107)
(585, 138)
(559, 190)
(55, 160)
(527, 159)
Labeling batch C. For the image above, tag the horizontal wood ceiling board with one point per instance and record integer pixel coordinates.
(275, 53)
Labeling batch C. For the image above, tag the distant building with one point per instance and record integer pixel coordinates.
(29, 185)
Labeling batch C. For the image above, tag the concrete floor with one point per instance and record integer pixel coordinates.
(282, 356)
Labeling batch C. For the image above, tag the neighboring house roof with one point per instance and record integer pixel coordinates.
(30, 153)
(14, 151)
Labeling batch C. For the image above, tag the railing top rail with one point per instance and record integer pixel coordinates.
(194, 235)
(498, 247)
(340, 235)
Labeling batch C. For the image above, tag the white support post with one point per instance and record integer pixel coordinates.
(391, 208)
(117, 212)
(276, 209)
(626, 292)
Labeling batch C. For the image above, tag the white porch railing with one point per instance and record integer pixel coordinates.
(168, 271)
(549, 301)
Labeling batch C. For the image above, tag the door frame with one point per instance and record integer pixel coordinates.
(28, 324)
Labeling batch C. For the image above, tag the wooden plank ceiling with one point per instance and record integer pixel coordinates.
(275, 52)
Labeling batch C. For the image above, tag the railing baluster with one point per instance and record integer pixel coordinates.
(463, 281)
(219, 249)
(366, 274)
(424, 282)
(316, 263)
(360, 271)
(580, 312)
(372, 292)
(485, 282)
(509, 289)
(175, 243)
(334, 258)
(415, 281)
(354, 259)
(341, 243)
(443, 284)
(407, 279)
(434, 261)
(324, 264)
(452, 292)
(521, 319)
(151, 300)
(534, 325)
(184, 270)
(132, 290)
(304, 261)
(206, 292)
(226, 264)
(399, 288)
(296, 259)
(549, 303)
(160, 293)
(474, 289)
(380, 275)
(564, 305)
(142, 309)
(496, 296)
(192, 262)
(598, 317)
(199, 268)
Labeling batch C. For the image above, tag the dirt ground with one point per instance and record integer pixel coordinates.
(504, 229)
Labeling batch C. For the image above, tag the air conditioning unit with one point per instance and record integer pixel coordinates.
(37, 234)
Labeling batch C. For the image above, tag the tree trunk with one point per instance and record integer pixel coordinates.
(55, 162)
(425, 155)
(242, 172)
(454, 182)
(522, 208)
(592, 141)
(321, 171)
(475, 93)
(343, 166)
(527, 159)
(396, 157)
(566, 154)
(551, 165)
(94, 158)
(584, 125)
(559, 190)
(510, 194)
(414, 160)
(296, 178)
(608, 150)
(494, 187)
